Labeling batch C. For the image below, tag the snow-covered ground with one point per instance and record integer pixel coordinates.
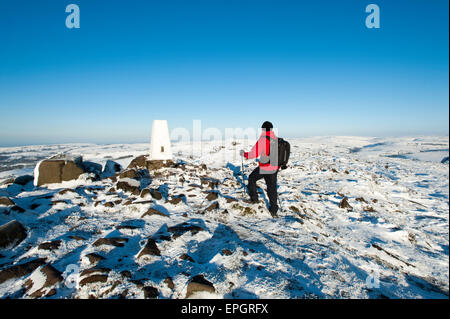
(392, 243)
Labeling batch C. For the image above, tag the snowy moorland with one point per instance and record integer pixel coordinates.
(361, 218)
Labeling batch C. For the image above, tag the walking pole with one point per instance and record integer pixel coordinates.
(279, 203)
(243, 180)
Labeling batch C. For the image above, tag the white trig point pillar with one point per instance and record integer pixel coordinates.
(160, 143)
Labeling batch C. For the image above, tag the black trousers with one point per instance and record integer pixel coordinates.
(271, 182)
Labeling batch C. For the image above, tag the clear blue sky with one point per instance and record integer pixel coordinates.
(310, 67)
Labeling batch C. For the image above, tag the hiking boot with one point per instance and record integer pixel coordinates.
(273, 211)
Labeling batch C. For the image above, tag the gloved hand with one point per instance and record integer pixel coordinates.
(241, 152)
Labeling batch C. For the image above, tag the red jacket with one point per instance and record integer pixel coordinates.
(263, 145)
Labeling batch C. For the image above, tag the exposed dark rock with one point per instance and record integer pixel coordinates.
(17, 209)
(212, 207)
(199, 284)
(5, 201)
(128, 202)
(344, 204)
(169, 282)
(244, 210)
(54, 202)
(158, 164)
(175, 200)
(93, 279)
(129, 173)
(212, 196)
(150, 292)
(23, 180)
(145, 193)
(112, 190)
(59, 170)
(109, 204)
(150, 249)
(138, 162)
(156, 194)
(187, 257)
(153, 211)
(21, 270)
(180, 229)
(212, 183)
(11, 234)
(76, 237)
(126, 227)
(95, 270)
(126, 187)
(52, 245)
(294, 209)
(52, 277)
(51, 293)
(361, 199)
(67, 190)
(369, 209)
(114, 241)
(227, 252)
(7, 181)
(94, 258)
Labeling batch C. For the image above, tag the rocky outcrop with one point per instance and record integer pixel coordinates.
(144, 163)
(129, 173)
(38, 289)
(129, 185)
(93, 279)
(113, 241)
(150, 249)
(57, 170)
(199, 284)
(20, 270)
(111, 168)
(11, 234)
(212, 196)
(138, 162)
(23, 180)
(5, 201)
(94, 258)
(150, 292)
(344, 204)
(51, 245)
(180, 229)
(153, 211)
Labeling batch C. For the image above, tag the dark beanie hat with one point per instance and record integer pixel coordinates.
(267, 125)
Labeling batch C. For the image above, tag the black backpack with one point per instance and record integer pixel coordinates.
(278, 156)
